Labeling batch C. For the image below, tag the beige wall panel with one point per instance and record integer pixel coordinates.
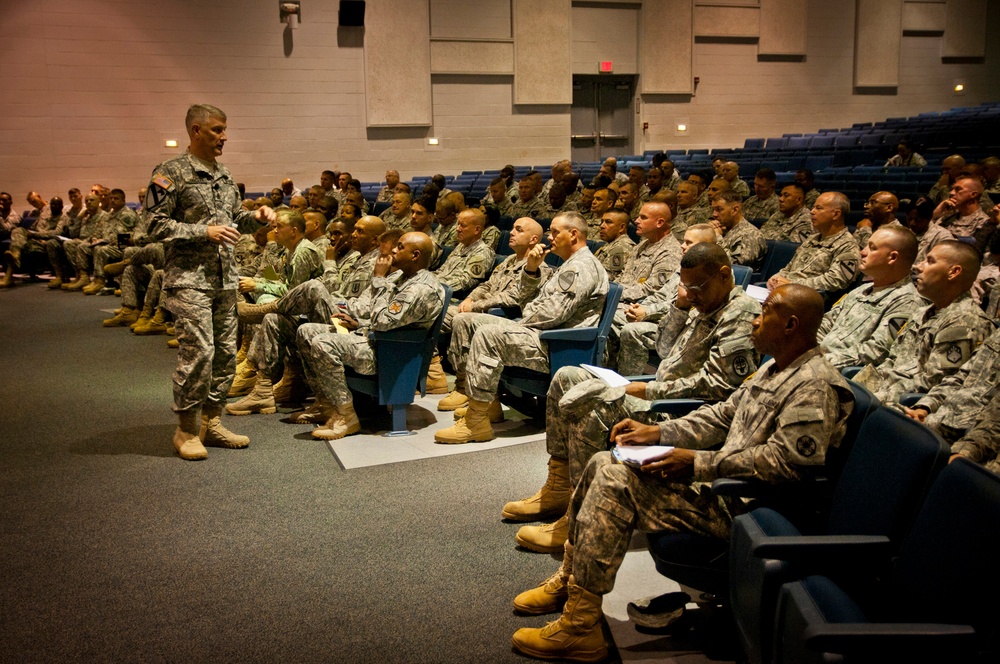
(726, 21)
(923, 16)
(397, 33)
(782, 27)
(472, 57)
(542, 52)
(461, 19)
(965, 29)
(877, 39)
(666, 70)
(605, 33)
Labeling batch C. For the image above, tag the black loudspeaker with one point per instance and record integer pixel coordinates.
(352, 13)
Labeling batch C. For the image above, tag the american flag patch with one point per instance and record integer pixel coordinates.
(162, 181)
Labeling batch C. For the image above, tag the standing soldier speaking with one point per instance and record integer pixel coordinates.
(195, 208)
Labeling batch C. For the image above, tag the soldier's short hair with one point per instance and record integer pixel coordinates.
(475, 215)
(328, 172)
(200, 113)
(966, 255)
(842, 203)
(795, 185)
(292, 218)
(391, 236)
(612, 194)
(331, 203)
(619, 215)
(767, 174)
(903, 240)
(707, 255)
(405, 187)
(573, 220)
(118, 191)
(728, 196)
(426, 202)
(702, 228)
(498, 180)
(446, 206)
(74, 190)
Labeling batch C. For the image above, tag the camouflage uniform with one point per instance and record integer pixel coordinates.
(483, 344)
(795, 228)
(273, 256)
(993, 307)
(356, 279)
(79, 251)
(335, 270)
(689, 217)
(614, 254)
(777, 427)
(754, 208)
(19, 240)
(446, 236)
(414, 303)
(929, 239)
(385, 194)
(305, 263)
(136, 277)
(740, 187)
(864, 233)
(392, 221)
(185, 196)
(860, 328)
(704, 355)
(530, 208)
(810, 198)
(466, 266)
(505, 207)
(593, 226)
(637, 339)
(121, 221)
(67, 227)
(9, 223)
(824, 263)
(931, 346)
(500, 290)
(248, 255)
(649, 267)
(491, 237)
(954, 404)
(982, 443)
(977, 226)
(744, 244)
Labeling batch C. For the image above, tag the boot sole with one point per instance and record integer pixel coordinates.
(474, 439)
(536, 547)
(449, 407)
(250, 411)
(330, 436)
(589, 656)
(228, 446)
(540, 516)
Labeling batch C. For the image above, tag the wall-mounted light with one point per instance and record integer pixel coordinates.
(959, 87)
(290, 12)
(682, 127)
(170, 143)
(433, 141)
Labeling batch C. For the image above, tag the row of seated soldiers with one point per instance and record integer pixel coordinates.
(911, 328)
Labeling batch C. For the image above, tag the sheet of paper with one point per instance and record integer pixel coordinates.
(758, 293)
(612, 378)
(271, 274)
(637, 455)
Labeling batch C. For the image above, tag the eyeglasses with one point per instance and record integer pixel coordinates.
(694, 290)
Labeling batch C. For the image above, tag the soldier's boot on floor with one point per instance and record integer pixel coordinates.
(145, 315)
(116, 269)
(292, 388)
(156, 325)
(245, 379)
(213, 434)
(81, 282)
(548, 597)
(260, 400)
(8, 279)
(547, 538)
(126, 316)
(173, 343)
(474, 427)
(343, 422)
(550, 501)
(56, 283)
(241, 352)
(457, 398)
(254, 313)
(96, 284)
(318, 412)
(13, 257)
(186, 440)
(496, 412)
(576, 636)
(437, 382)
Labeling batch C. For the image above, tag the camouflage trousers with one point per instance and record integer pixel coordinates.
(310, 299)
(579, 426)
(134, 282)
(139, 279)
(635, 342)
(205, 321)
(20, 242)
(483, 345)
(324, 354)
(612, 500)
(272, 343)
(58, 258)
(150, 254)
(79, 253)
(104, 254)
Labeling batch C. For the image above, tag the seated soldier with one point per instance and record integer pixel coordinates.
(556, 202)
(385, 194)
(79, 251)
(604, 201)
(939, 338)
(654, 260)
(704, 341)
(905, 156)
(828, 259)
(491, 233)
(741, 239)
(791, 222)
(316, 230)
(628, 200)
(497, 197)
(529, 203)
(860, 327)
(764, 202)
(302, 260)
(952, 406)
(807, 180)
(559, 171)
(961, 214)
(776, 428)
(982, 442)
(9, 218)
(446, 216)
(918, 220)
(618, 246)
(467, 265)
(121, 221)
(689, 212)
(481, 344)
(701, 179)
(731, 173)
(25, 242)
(413, 298)
(638, 335)
(398, 214)
(880, 210)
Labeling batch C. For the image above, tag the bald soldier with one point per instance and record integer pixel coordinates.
(411, 297)
(961, 214)
(880, 210)
(618, 246)
(467, 264)
(939, 338)
(776, 428)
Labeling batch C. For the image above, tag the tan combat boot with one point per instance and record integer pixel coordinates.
(474, 427)
(437, 382)
(260, 400)
(547, 538)
(318, 412)
(116, 269)
(496, 412)
(81, 282)
(95, 285)
(291, 389)
(145, 315)
(55, 283)
(576, 636)
(343, 422)
(550, 501)
(548, 597)
(186, 440)
(245, 379)
(156, 325)
(254, 313)
(213, 434)
(457, 398)
(241, 352)
(173, 343)
(126, 316)
(8, 279)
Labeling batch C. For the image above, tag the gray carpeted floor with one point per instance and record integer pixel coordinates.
(116, 550)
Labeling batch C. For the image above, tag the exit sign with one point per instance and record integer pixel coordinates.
(606, 67)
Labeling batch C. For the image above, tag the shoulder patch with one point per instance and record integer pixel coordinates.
(477, 268)
(741, 366)
(805, 446)
(566, 280)
(617, 260)
(896, 325)
(157, 192)
(954, 354)
(395, 307)
(162, 181)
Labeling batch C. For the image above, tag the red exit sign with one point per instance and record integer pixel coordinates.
(606, 67)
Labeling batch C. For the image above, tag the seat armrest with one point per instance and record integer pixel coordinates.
(850, 372)
(910, 399)
(898, 642)
(676, 407)
(571, 334)
(826, 550)
(645, 378)
(406, 336)
(506, 312)
(725, 486)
